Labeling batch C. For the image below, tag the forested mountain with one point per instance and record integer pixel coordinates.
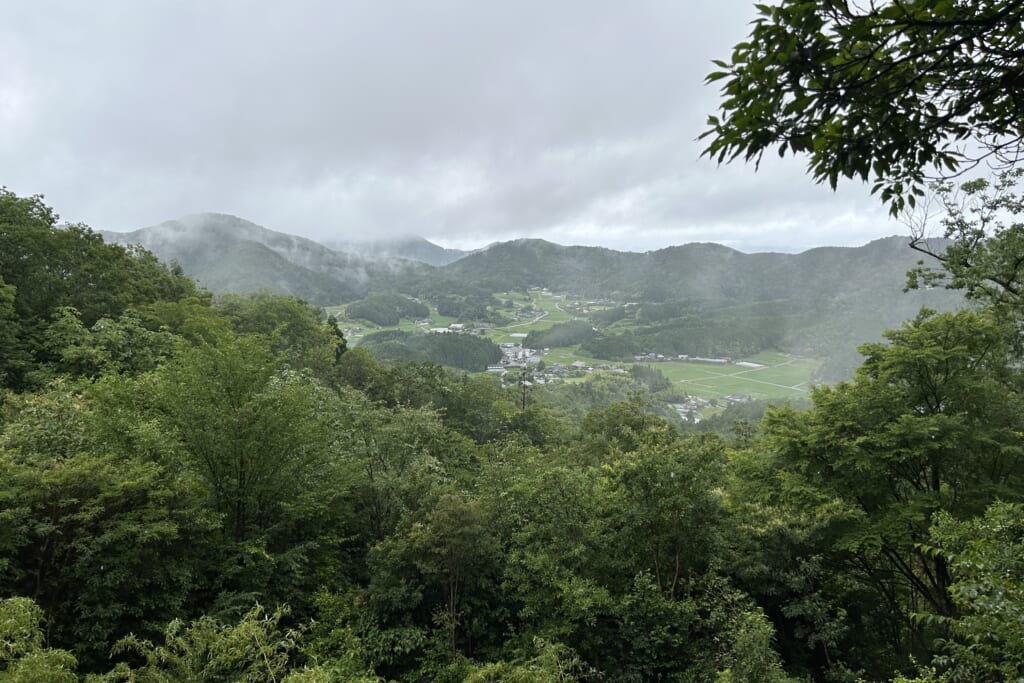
(695, 272)
(228, 254)
(411, 248)
(225, 253)
(821, 303)
(709, 299)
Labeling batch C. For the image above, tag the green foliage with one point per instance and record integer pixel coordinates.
(983, 242)
(23, 656)
(613, 568)
(653, 379)
(701, 330)
(104, 542)
(562, 334)
(257, 434)
(293, 329)
(454, 554)
(670, 509)
(30, 211)
(928, 425)
(553, 663)
(463, 351)
(69, 266)
(14, 358)
(123, 345)
(257, 648)
(333, 639)
(471, 305)
(386, 309)
(193, 319)
(614, 346)
(397, 452)
(885, 92)
(781, 525)
(986, 557)
(752, 657)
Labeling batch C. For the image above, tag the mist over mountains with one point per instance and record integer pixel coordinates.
(229, 254)
(412, 247)
(822, 302)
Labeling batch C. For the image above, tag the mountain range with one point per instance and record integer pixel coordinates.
(228, 254)
(700, 271)
(830, 298)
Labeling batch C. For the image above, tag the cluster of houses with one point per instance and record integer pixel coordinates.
(454, 328)
(689, 409)
(519, 363)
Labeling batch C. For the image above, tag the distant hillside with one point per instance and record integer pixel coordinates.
(702, 271)
(823, 302)
(229, 254)
(411, 248)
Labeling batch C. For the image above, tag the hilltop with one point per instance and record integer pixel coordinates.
(229, 254)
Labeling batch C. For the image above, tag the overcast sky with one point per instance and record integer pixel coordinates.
(464, 122)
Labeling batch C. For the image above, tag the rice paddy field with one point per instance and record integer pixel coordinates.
(782, 376)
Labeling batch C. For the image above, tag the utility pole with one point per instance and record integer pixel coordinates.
(523, 384)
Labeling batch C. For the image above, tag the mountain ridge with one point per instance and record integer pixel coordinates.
(410, 247)
(280, 262)
(824, 301)
(228, 253)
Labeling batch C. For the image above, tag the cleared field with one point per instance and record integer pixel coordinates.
(570, 354)
(437, 320)
(550, 314)
(788, 377)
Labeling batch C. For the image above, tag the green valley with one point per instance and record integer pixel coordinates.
(776, 375)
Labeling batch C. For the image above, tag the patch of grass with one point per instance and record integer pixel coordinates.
(570, 354)
(788, 378)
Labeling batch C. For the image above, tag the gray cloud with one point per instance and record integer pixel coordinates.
(465, 122)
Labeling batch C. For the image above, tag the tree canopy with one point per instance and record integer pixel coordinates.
(887, 92)
(194, 489)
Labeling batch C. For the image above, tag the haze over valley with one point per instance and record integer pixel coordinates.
(696, 299)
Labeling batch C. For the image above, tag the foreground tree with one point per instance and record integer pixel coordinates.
(986, 555)
(982, 245)
(104, 542)
(880, 91)
(45, 267)
(23, 654)
(257, 648)
(929, 424)
(292, 329)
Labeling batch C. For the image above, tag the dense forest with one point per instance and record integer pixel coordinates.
(217, 488)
